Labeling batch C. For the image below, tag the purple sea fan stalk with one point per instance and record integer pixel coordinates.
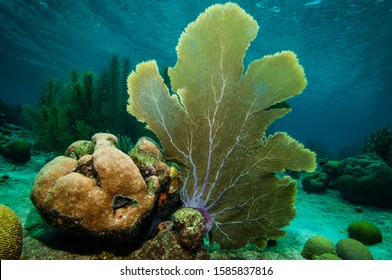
(214, 126)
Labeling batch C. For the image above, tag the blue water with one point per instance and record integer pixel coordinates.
(345, 48)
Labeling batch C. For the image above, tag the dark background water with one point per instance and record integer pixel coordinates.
(344, 46)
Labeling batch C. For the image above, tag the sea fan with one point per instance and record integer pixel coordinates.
(214, 125)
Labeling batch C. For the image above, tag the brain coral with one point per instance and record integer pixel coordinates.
(350, 249)
(316, 246)
(11, 238)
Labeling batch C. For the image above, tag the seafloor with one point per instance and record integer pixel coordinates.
(324, 214)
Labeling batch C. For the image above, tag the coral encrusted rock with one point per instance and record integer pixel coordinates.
(149, 159)
(101, 194)
(179, 239)
(189, 223)
(11, 237)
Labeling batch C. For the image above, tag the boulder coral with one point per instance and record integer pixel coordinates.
(366, 179)
(17, 150)
(315, 182)
(101, 194)
(364, 232)
(11, 238)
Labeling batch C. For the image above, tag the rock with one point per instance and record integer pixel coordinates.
(366, 179)
(11, 238)
(17, 150)
(99, 195)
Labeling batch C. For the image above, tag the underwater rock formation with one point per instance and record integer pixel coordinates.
(101, 194)
(366, 179)
(214, 126)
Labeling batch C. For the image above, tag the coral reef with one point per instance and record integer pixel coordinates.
(317, 246)
(364, 232)
(101, 194)
(11, 237)
(350, 249)
(229, 164)
(366, 179)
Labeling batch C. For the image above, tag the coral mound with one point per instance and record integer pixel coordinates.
(317, 246)
(350, 249)
(11, 238)
(101, 194)
(366, 179)
(364, 232)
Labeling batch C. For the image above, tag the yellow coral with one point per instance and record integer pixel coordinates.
(214, 125)
(11, 237)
